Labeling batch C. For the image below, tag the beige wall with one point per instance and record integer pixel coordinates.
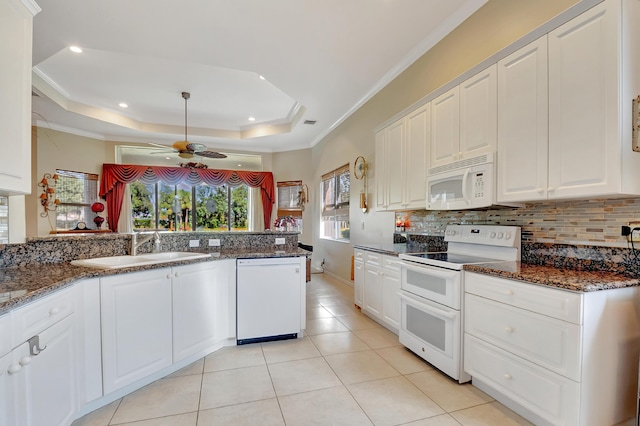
(296, 165)
(492, 28)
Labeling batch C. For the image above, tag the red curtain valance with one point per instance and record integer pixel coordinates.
(115, 176)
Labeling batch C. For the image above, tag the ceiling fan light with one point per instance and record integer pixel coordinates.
(185, 155)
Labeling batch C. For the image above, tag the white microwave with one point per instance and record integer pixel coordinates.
(465, 184)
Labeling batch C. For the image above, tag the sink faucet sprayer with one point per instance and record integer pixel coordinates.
(135, 243)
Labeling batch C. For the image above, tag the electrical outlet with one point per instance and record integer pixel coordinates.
(633, 231)
(194, 243)
(214, 242)
(280, 241)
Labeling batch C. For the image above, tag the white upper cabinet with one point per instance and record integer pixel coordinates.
(379, 172)
(463, 120)
(417, 157)
(478, 114)
(565, 109)
(523, 124)
(445, 128)
(394, 158)
(594, 67)
(402, 158)
(16, 26)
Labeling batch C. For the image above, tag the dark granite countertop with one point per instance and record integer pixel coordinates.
(23, 284)
(567, 279)
(390, 249)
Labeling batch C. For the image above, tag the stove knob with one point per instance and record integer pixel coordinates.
(492, 235)
(507, 235)
(500, 235)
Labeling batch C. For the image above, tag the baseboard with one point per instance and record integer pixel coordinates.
(339, 278)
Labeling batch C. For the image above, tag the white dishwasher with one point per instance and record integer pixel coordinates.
(270, 299)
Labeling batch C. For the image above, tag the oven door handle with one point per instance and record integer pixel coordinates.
(437, 312)
(428, 270)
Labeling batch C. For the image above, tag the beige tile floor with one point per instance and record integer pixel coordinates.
(347, 370)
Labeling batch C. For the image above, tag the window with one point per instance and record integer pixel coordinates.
(76, 192)
(178, 207)
(335, 190)
(290, 205)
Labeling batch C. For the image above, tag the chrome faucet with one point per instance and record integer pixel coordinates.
(135, 243)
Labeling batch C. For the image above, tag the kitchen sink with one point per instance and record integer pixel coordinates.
(116, 262)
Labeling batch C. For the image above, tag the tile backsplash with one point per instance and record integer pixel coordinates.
(589, 222)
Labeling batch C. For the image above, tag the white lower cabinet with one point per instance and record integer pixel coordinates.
(554, 356)
(136, 326)
(45, 384)
(200, 307)
(376, 286)
(7, 399)
(373, 284)
(390, 289)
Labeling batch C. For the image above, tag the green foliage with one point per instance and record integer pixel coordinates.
(213, 207)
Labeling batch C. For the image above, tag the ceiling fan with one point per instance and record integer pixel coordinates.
(186, 149)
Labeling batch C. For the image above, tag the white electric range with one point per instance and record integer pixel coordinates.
(432, 288)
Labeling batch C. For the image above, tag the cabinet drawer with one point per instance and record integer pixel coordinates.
(358, 255)
(372, 258)
(554, 398)
(40, 315)
(548, 342)
(391, 264)
(5, 334)
(556, 303)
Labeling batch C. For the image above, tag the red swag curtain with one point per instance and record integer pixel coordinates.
(115, 176)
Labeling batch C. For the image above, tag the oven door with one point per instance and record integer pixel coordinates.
(433, 283)
(433, 332)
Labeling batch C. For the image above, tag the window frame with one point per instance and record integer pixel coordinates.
(193, 219)
(335, 211)
(91, 196)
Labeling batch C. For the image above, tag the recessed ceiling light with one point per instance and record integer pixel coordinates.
(167, 158)
(123, 105)
(262, 77)
(75, 49)
(239, 165)
(252, 119)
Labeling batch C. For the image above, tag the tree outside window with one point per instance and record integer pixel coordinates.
(211, 208)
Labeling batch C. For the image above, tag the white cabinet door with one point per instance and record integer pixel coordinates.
(416, 154)
(46, 383)
(200, 307)
(391, 299)
(15, 104)
(445, 128)
(584, 124)
(372, 291)
(523, 124)
(136, 326)
(395, 167)
(358, 283)
(89, 340)
(380, 171)
(8, 398)
(478, 114)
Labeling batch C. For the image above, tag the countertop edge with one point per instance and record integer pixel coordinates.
(78, 273)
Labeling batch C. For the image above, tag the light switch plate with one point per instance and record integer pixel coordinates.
(214, 242)
(194, 243)
(280, 241)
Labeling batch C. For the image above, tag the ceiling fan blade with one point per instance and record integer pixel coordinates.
(159, 145)
(164, 152)
(210, 154)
